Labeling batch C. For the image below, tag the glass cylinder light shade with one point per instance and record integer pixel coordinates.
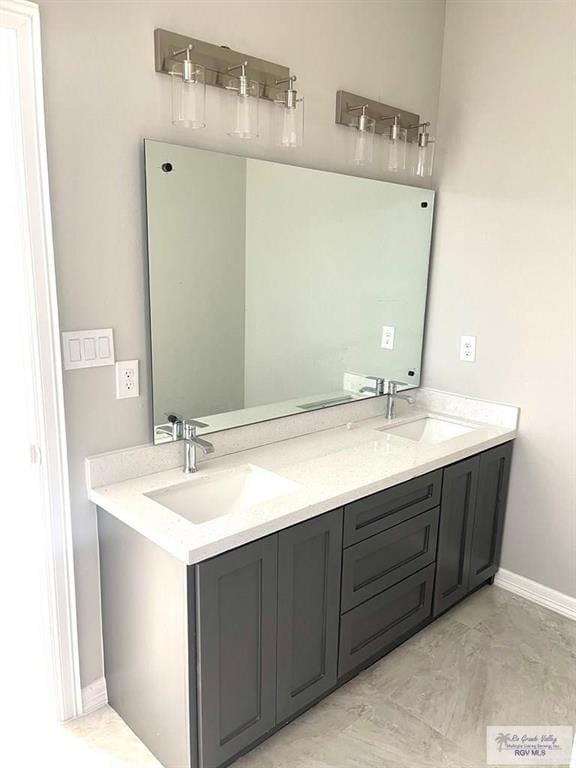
(424, 159)
(395, 149)
(189, 96)
(244, 108)
(289, 123)
(363, 140)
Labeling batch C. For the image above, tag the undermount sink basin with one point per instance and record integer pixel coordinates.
(429, 430)
(205, 498)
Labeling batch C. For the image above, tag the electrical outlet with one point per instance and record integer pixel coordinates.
(468, 349)
(388, 333)
(127, 379)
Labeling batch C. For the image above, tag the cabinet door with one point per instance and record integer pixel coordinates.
(236, 609)
(489, 514)
(309, 564)
(455, 534)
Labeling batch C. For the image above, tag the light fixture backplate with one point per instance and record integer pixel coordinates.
(375, 109)
(216, 60)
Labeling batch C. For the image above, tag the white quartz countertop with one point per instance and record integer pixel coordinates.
(330, 468)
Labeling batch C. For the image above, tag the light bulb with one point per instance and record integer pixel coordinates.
(396, 155)
(363, 149)
(289, 127)
(243, 116)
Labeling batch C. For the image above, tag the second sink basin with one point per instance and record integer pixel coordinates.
(429, 430)
(205, 498)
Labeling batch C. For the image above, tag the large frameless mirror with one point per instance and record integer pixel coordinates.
(275, 289)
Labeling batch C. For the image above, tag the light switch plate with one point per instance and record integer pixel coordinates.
(468, 349)
(388, 333)
(88, 349)
(127, 379)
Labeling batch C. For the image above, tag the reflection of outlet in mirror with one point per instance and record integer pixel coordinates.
(468, 349)
(388, 332)
(127, 379)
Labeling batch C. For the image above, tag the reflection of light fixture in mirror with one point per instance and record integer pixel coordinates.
(289, 115)
(245, 124)
(364, 138)
(395, 145)
(188, 92)
(423, 152)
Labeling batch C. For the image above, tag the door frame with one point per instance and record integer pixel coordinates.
(49, 451)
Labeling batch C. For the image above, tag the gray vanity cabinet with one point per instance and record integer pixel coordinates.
(309, 564)
(493, 480)
(455, 535)
(204, 661)
(236, 620)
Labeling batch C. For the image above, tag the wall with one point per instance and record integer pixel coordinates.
(504, 262)
(103, 98)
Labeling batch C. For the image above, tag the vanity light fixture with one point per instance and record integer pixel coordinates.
(253, 80)
(365, 127)
(289, 115)
(401, 131)
(245, 119)
(188, 91)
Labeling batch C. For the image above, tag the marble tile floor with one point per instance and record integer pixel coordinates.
(496, 659)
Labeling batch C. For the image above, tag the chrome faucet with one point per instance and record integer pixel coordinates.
(392, 393)
(377, 389)
(191, 442)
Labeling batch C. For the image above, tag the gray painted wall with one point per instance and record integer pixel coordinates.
(102, 102)
(503, 263)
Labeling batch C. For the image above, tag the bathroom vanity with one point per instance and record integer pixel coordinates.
(220, 631)
(337, 515)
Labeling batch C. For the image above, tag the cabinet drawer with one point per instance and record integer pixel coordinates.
(375, 564)
(374, 626)
(381, 511)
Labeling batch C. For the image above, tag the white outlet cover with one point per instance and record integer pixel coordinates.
(468, 349)
(127, 379)
(388, 333)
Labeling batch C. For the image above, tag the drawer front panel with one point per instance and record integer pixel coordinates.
(383, 510)
(377, 563)
(374, 626)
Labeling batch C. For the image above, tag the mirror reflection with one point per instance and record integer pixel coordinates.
(276, 289)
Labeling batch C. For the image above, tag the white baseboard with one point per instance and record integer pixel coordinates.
(537, 593)
(94, 696)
